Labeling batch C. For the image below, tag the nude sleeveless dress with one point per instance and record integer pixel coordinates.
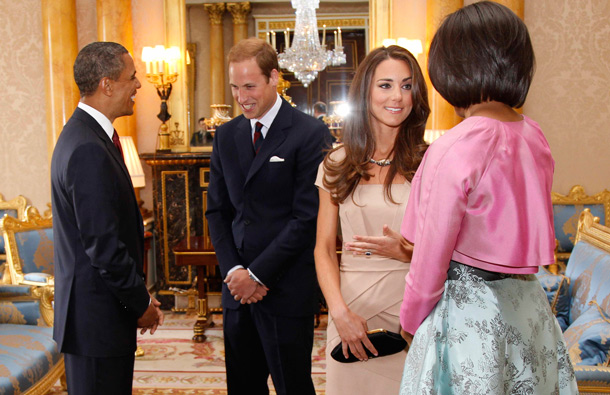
(372, 287)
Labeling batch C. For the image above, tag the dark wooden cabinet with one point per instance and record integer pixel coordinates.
(180, 182)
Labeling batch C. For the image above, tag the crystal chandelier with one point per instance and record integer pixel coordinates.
(306, 56)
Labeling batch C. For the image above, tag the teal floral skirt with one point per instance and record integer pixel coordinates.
(490, 333)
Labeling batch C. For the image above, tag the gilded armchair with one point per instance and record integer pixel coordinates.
(30, 362)
(29, 248)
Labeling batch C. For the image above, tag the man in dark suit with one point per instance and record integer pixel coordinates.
(201, 137)
(319, 110)
(262, 208)
(100, 295)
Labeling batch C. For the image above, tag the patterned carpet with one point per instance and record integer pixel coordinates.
(174, 364)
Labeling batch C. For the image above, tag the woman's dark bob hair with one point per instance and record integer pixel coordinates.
(481, 53)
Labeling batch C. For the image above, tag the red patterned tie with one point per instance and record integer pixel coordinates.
(258, 137)
(117, 143)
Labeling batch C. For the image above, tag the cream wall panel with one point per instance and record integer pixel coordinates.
(24, 166)
(570, 94)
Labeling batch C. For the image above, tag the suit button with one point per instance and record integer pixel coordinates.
(247, 222)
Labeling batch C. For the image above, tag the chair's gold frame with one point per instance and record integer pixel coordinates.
(18, 204)
(576, 196)
(591, 231)
(10, 226)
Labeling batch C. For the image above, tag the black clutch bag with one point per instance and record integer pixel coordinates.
(385, 342)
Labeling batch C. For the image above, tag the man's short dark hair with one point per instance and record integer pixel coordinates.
(201, 119)
(95, 61)
(320, 107)
(480, 53)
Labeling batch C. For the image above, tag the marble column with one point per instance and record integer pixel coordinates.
(443, 115)
(178, 103)
(114, 24)
(380, 21)
(217, 58)
(518, 7)
(60, 42)
(240, 12)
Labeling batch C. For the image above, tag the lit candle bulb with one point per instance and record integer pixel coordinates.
(336, 42)
(287, 37)
(323, 34)
(340, 40)
(146, 57)
(273, 40)
(268, 38)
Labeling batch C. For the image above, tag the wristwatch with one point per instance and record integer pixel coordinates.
(254, 278)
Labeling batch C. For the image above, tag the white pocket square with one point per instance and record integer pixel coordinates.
(276, 159)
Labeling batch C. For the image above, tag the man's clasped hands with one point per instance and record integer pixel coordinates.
(244, 288)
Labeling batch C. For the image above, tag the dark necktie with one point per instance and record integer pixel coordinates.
(258, 137)
(117, 143)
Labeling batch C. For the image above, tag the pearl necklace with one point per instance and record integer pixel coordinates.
(382, 162)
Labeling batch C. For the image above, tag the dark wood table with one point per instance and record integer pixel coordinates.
(197, 251)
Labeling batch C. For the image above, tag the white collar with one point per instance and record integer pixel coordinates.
(269, 117)
(99, 117)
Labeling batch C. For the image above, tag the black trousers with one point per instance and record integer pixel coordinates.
(258, 344)
(99, 376)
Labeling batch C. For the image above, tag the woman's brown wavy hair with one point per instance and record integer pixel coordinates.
(343, 176)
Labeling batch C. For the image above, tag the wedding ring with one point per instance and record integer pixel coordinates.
(368, 253)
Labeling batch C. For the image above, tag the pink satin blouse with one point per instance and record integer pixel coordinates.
(482, 197)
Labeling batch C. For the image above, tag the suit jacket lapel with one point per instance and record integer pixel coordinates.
(275, 136)
(243, 142)
(99, 131)
(114, 152)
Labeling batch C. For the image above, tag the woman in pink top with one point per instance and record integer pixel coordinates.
(481, 220)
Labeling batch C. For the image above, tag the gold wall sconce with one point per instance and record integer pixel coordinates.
(162, 71)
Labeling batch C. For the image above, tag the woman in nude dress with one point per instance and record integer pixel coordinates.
(365, 184)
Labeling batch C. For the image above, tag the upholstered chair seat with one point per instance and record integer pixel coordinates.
(30, 362)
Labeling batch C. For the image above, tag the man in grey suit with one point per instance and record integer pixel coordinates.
(262, 209)
(100, 295)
